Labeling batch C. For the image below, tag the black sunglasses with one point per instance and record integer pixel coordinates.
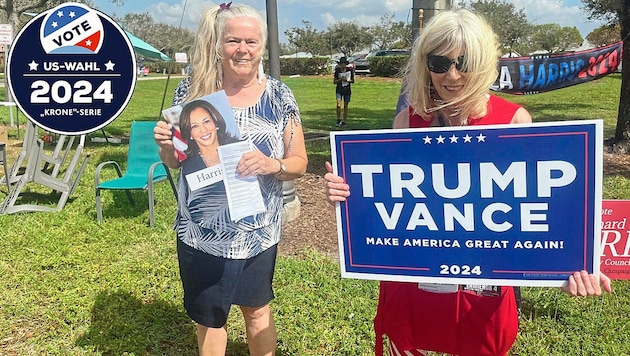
(442, 64)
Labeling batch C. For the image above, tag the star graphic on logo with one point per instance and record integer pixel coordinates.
(72, 14)
(467, 138)
(54, 24)
(109, 65)
(440, 139)
(481, 138)
(453, 138)
(59, 13)
(427, 140)
(88, 43)
(33, 65)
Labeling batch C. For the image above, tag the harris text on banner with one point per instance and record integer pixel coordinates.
(541, 73)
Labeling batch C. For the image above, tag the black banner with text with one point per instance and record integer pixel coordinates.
(541, 73)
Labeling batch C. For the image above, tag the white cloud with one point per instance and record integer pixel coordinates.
(172, 13)
(397, 5)
(328, 19)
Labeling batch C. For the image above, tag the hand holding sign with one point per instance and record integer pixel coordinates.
(584, 284)
(336, 188)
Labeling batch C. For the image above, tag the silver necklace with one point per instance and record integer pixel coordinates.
(205, 161)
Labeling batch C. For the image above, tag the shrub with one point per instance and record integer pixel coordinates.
(159, 66)
(305, 66)
(388, 66)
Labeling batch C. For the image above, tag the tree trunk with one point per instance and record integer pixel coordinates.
(621, 143)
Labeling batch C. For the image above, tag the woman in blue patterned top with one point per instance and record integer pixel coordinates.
(224, 262)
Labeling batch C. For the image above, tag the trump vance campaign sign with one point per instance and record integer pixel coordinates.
(494, 205)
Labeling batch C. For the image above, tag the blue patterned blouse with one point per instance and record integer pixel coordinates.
(203, 220)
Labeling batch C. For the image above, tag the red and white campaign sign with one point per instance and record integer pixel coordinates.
(615, 260)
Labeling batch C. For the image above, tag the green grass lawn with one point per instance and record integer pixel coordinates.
(70, 286)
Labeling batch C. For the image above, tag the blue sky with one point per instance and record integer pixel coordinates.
(322, 13)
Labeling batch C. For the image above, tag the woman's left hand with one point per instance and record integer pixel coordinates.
(256, 163)
(584, 284)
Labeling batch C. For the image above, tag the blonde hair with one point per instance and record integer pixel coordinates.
(454, 31)
(206, 54)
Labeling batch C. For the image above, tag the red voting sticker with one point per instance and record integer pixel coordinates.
(615, 260)
(71, 69)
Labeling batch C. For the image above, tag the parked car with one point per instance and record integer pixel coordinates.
(353, 59)
(362, 66)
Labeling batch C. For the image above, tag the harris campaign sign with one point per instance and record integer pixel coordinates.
(493, 205)
(541, 73)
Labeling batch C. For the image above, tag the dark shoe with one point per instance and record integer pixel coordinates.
(338, 123)
(343, 123)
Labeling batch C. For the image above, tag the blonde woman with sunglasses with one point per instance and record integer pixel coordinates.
(450, 71)
(452, 66)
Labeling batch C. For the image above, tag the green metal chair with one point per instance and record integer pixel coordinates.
(144, 169)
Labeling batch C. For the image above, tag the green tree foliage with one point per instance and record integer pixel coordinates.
(389, 34)
(605, 35)
(405, 33)
(19, 12)
(610, 11)
(15, 12)
(554, 38)
(308, 39)
(617, 12)
(510, 25)
(166, 38)
(348, 37)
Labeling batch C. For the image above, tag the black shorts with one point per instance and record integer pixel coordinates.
(212, 284)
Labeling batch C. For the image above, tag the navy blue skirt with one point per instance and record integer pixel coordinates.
(212, 284)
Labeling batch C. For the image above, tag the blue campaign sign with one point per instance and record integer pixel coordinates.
(495, 205)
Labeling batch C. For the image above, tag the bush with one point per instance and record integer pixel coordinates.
(159, 66)
(305, 66)
(388, 66)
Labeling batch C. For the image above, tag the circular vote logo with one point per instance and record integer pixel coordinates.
(71, 70)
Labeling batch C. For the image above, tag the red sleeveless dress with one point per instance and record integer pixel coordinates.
(462, 323)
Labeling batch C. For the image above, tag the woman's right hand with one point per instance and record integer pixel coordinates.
(163, 136)
(336, 188)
